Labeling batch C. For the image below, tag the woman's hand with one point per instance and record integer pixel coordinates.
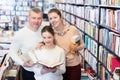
(73, 48)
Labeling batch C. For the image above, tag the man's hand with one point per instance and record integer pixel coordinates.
(28, 64)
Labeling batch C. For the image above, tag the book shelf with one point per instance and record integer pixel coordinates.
(10, 8)
(8, 69)
(99, 23)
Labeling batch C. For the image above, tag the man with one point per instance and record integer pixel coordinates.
(25, 40)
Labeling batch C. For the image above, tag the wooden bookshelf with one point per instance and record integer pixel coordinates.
(98, 21)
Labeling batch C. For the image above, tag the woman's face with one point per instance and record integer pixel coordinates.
(55, 19)
(48, 38)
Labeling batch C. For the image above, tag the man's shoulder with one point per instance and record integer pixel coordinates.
(20, 32)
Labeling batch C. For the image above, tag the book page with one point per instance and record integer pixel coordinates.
(30, 56)
(50, 65)
(47, 58)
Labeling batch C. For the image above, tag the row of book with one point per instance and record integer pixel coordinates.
(12, 13)
(91, 29)
(110, 40)
(79, 1)
(77, 10)
(92, 2)
(110, 2)
(9, 8)
(79, 24)
(92, 14)
(110, 18)
(110, 61)
(91, 45)
(90, 60)
(21, 2)
(100, 41)
(5, 40)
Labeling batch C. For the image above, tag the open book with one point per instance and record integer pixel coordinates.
(44, 58)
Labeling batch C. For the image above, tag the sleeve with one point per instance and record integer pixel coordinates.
(37, 69)
(62, 68)
(15, 46)
(76, 32)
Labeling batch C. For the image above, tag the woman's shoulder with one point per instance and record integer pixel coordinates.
(72, 27)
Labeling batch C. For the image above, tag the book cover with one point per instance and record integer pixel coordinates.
(112, 24)
(115, 62)
(116, 73)
(117, 46)
(109, 61)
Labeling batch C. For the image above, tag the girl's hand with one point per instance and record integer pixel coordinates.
(53, 69)
(48, 69)
(44, 70)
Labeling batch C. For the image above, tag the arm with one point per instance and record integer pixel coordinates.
(13, 52)
(80, 44)
(62, 68)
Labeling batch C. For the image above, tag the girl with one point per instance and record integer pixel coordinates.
(50, 53)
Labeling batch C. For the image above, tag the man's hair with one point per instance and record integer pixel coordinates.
(36, 10)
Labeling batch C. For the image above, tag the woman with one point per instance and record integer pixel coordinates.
(63, 35)
(49, 53)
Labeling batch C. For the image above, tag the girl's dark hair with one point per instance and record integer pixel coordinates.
(47, 29)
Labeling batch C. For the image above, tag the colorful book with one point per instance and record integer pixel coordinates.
(115, 62)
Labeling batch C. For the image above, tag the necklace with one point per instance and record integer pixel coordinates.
(61, 33)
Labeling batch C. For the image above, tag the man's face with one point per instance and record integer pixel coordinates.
(35, 20)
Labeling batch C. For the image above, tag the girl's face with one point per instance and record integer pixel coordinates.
(48, 38)
(55, 19)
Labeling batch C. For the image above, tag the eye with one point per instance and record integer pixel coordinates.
(39, 18)
(44, 37)
(50, 18)
(55, 17)
(49, 37)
